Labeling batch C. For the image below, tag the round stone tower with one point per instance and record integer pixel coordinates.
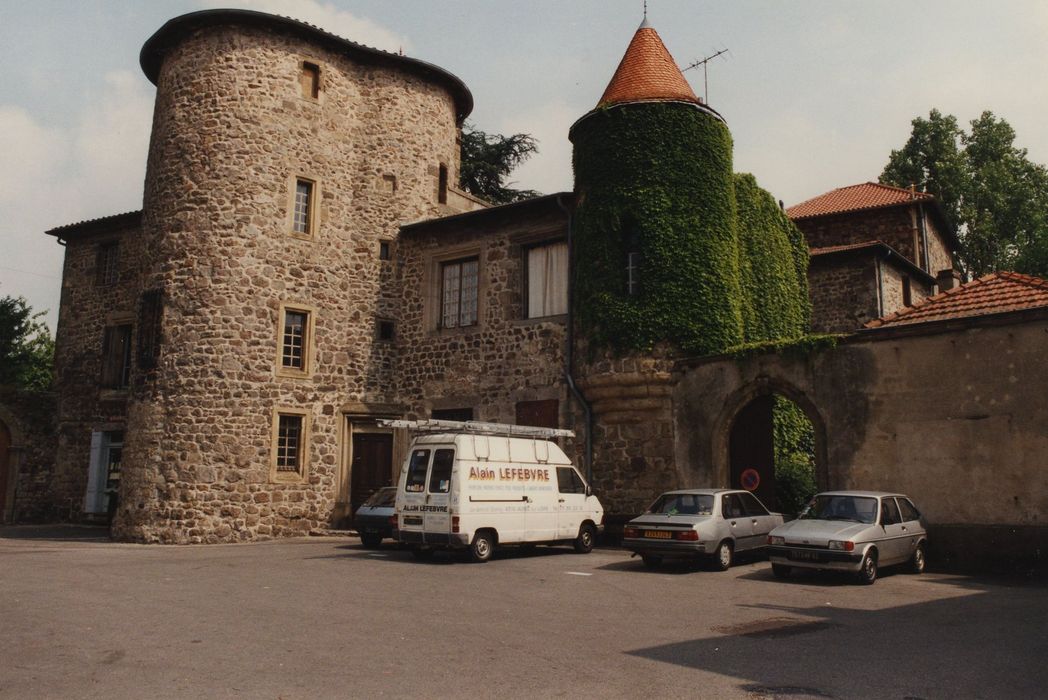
(656, 261)
(283, 160)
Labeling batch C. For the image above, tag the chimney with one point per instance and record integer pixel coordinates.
(948, 279)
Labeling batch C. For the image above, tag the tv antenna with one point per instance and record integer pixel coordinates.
(705, 77)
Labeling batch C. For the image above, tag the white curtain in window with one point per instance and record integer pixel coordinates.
(548, 280)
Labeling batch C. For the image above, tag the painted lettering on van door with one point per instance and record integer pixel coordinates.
(423, 508)
(509, 474)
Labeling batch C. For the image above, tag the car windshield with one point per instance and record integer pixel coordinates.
(859, 509)
(682, 504)
(381, 498)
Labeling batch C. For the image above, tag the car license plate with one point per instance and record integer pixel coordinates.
(804, 556)
(658, 534)
(412, 519)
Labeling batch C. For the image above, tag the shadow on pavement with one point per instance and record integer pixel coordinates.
(56, 533)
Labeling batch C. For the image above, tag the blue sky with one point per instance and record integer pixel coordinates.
(816, 92)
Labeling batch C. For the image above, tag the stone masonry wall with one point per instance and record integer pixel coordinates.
(892, 225)
(86, 308)
(843, 292)
(30, 419)
(231, 132)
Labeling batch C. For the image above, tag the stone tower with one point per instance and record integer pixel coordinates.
(282, 162)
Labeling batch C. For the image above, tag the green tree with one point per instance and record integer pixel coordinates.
(26, 347)
(488, 159)
(794, 445)
(991, 193)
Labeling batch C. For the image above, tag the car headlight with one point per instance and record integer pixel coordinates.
(775, 539)
(844, 545)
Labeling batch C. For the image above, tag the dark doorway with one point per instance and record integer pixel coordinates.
(452, 414)
(772, 453)
(372, 466)
(5, 450)
(753, 451)
(539, 414)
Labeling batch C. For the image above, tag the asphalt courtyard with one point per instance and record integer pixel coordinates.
(81, 617)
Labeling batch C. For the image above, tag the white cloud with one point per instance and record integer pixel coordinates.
(59, 175)
(326, 16)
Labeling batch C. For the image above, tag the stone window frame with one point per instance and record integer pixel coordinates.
(433, 283)
(308, 343)
(313, 212)
(283, 476)
(305, 65)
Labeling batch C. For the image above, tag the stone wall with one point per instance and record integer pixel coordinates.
(952, 414)
(843, 292)
(232, 131)
(892, 282)
(29, 419)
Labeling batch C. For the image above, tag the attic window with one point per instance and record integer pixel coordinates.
(309, 79)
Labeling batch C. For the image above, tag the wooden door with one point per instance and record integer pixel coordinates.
(372, 466)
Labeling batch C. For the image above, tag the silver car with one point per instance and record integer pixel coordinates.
(696, 522)
(856, 531)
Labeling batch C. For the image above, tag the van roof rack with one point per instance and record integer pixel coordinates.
(474, 427)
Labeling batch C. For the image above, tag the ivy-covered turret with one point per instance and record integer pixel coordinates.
(655, 227)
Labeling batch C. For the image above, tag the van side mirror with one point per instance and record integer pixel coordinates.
(589, 490)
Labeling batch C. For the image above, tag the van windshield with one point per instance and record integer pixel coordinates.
(417, 471)
(682, 504)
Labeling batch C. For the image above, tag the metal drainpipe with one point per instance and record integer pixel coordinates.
(924, 239)
(569, 352)
(880, 288)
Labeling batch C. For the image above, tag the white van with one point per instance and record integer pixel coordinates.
(482, 485)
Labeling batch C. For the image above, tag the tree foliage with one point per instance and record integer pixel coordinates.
(488, 159)
(990, 191)
(794, 445)
(26, 347)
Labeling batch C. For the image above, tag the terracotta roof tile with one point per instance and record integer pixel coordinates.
(647, 73)
(868, 195)
(995, 293)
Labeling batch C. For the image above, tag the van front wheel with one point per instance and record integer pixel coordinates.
(584, 542)
(483, 547)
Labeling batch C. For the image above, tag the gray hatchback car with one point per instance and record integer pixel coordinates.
(856, 531)
(696, 522)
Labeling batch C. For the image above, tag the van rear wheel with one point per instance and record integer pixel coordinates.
(587, 537)
(483, 546)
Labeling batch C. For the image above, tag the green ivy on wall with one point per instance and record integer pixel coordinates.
(721, 264)
(656, 178)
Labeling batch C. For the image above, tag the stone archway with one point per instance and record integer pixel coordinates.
(749, 407)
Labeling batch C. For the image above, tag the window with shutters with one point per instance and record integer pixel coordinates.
(309, 80)
(116, 357)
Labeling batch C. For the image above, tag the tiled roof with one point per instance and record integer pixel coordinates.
(868, 195)
(827, 250)
(106, 223)
(995, 293)
(647, 73)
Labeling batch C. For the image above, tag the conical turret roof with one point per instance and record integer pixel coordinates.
(647, 73)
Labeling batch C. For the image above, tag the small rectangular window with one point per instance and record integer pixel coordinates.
(459, 290)
(303, 219)
(460, 414)
(384, 251)
(442, 185)
(107, 264)
(416, 480)
(385, 329)
(907, 292)
(293, 348)
(116, 357)
(547, 280)
(310, 80)
(633, 263)
(289, 443)
(440, 474)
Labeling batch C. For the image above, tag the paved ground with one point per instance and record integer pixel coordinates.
(323, 618)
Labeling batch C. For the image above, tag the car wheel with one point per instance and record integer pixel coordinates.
(584, 542)
(781, 570)
(422, 553)
(917, 561)
(868, 568)
(722, 558)
(371, 540)
(652, 561)
(483, 547)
